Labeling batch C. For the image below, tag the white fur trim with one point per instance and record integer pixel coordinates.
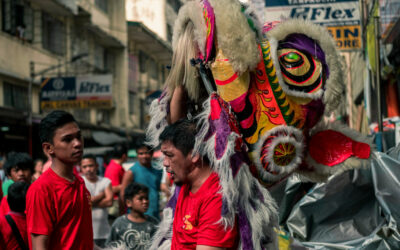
(234, 36)
(238, 191)
(158, 121)
(335, 85)
(296, 139)
(191, 11)
(164, 231)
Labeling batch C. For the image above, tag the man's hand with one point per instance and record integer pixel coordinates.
(97, 198)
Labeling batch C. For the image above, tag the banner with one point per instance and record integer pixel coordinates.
(92, 91)
(341, 17)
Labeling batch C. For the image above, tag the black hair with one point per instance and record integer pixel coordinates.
(89, 156)
(20, 161)
(143, 145)
(16, 197)
(182, 134)
(119, 151)
(133, 189)
(51, 122)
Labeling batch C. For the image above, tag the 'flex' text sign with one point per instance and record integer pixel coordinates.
(341, 17)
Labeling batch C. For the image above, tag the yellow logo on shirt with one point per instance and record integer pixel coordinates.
(188, 225)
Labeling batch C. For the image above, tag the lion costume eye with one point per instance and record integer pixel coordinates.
(300, 71)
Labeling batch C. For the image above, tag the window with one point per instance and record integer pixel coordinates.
(153, 68)
(82, 115)
(15, 96)
(132, 97)
(102, 4)
(79, 42)
(169, 32)
(99, 53)
(17, 19)
(103, 59)
(53, 34)
(142, 61)
(175, 4)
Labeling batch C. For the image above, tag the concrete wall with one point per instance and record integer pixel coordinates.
(149, 12)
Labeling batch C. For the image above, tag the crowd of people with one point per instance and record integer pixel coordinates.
(69, 200)
(69, 206)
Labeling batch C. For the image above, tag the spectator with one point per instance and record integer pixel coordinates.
(13, 234)
(101, 195)
(38, 169)
(143, 172)
(58, 204)
(134, 230)
(197, 216)
(115, 172)
(18, 167)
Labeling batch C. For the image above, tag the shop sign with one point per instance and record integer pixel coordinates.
(92, 91)
(341, 17)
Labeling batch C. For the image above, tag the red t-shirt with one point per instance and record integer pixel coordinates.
(4, 208)
(7, 237)
(196, 217)
(61, 210)
(114, 172)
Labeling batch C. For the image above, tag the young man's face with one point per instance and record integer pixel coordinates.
(89, 168)
(67, 144)
(144, 156)
(139, 203)
(176, 163)
(18, 174)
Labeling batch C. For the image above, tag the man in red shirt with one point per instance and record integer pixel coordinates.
(197, 218)
(58, 205)
(115, 172)
(15, 238)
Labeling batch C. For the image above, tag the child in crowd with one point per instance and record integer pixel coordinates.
(134, 230)
(101, 196)
(13, 233)
(18, 167)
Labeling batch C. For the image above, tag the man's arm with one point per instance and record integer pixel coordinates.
(97, 198)
(126, 180)
(107, 199)
(177, 105)
(39, 241)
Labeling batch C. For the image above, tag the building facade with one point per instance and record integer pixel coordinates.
(59, 38)
(150, 24)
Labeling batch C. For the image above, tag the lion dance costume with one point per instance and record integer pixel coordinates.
(259, 95)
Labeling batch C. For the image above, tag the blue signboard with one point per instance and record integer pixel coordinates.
(60, 88)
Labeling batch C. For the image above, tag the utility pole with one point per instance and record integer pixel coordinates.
(32, 78)
(378, 72)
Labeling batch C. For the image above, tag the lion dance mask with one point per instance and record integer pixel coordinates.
(259, 95)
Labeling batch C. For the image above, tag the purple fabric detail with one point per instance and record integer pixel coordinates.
(219, 127)
(304, 43)
(244, 230)
(174, 199)
(224, 209)
(258, 192)
(314, 111)
(236, 161)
